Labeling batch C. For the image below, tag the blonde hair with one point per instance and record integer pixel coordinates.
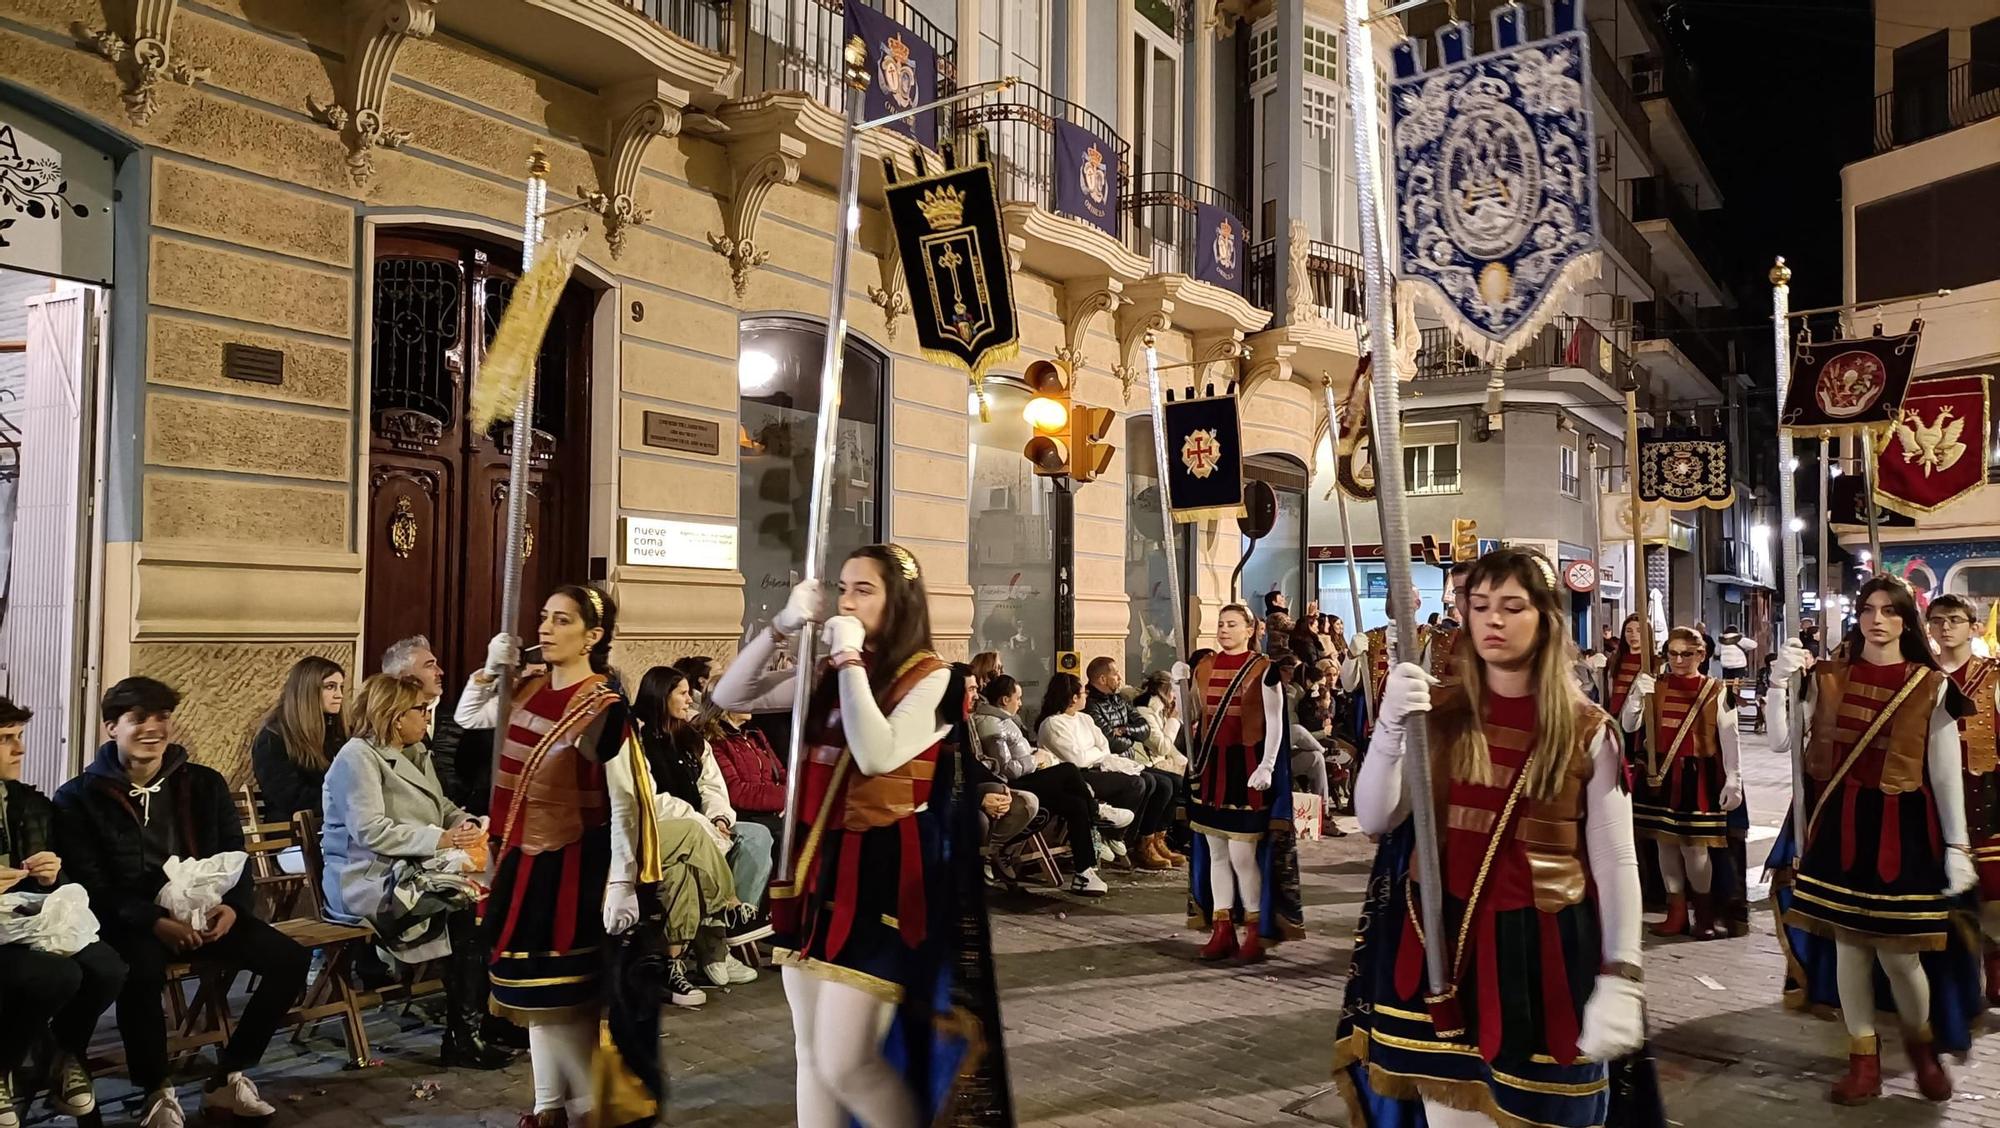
(1460, 716)
(372, 711)
(1688, 634)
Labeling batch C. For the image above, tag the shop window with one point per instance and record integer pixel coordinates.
(1149, 644)
(778, 379)
(1011, 543)
(1278, 564)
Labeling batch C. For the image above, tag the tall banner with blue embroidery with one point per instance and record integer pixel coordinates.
(1086, 173)
(903, 70)
(1218, 247)
(1495, 189)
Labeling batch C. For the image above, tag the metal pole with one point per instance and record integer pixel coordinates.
(1597, 490)
(1788, 509)
(1867, 440)
(1167, 528)
(522, 437)
(1334, 438)
(1646, 648)
(1388, 441)
(1825, 571)
(847, 218)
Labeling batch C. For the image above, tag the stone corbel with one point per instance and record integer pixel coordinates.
(377, 30)
(754, 174)
(1271, 362)
(1216, 348)
(1224, 16)
(1082, 300)
(890, 296)
(142, 52)
(1137, 322)
(636, 114)
(1300, 309)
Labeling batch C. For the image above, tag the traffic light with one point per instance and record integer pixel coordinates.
(1090, 455)
(1049, 414)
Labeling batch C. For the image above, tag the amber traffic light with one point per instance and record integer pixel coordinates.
(1049, 413)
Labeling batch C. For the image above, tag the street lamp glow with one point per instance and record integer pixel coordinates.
(1760, 532)
(756, 372)
(1045, 415)
(1798, 524)
(1833, 469)
(1792, 467)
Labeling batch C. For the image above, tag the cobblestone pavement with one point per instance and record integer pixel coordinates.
(1109, 1022)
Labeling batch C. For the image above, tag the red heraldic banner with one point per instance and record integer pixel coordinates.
(1936, 448)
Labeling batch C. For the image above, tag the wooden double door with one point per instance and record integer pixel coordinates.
(437, 488)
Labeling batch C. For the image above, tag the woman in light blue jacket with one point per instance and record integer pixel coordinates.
(405, 860)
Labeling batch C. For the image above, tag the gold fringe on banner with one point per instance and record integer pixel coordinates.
(998, 354)
(503, 374)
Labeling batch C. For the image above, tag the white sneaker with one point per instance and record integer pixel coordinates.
(681, 990)
(1117, 818)
(70, 1091)
(163, 1110)
(1104, 854)
(738, 971)
(8, 1117)
(236, 1098)
(1118, 848)
(1088, 884)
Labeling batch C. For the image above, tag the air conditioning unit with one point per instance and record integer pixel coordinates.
(1000, 498)
(1606, 154)
(1649, 81)
(1621, 311)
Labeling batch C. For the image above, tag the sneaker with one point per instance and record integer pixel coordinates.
(70, 1092)
(1120, 857)
(163, 1110)
(1088, 884)
(1104, 854)
(1117, 818)
(738, 972)
(236, 1098)
(8, 1117)
(745, 924)
(681, 990)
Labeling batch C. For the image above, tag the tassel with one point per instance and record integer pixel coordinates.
(510, 360)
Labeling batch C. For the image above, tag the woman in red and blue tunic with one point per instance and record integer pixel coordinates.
(1625, 666)
(1541, 885)
(869, 929)
(574, 848)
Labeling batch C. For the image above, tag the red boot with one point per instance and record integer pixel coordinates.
(1932, 1081)
(1993, 977)
(1676, 923)
(1222, 944)
(1704, 916)
(1863, 1082)
(1252, 950)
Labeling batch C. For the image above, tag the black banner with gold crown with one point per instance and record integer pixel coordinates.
(954, 255)
(1204, 458)
(1682, 470)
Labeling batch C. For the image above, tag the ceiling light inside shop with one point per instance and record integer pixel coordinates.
(756, 372)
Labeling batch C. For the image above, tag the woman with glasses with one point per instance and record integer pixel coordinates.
(1951, 620)
(1688, 779)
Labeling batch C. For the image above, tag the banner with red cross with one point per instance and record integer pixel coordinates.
(1936, 447)
(1204, 468)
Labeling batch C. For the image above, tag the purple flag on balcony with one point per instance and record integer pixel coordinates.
(1086, 176)
(902, 72)
(1218, 247)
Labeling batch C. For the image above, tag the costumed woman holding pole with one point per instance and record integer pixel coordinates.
(1951, 619)
(1236, 800)
(570, 800)
(1689, 779)
(869, 928)
(1879, 830)
(1540, 882)
(1626, 665)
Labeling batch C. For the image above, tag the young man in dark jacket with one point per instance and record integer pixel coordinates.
(139, 803)
(40, 991)
(1124, 729)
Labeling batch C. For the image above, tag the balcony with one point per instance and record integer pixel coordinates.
(1162, 225)
(1624, 240)
(1339, 285)
(1967, 93)
(1729, 560)
(1673, 103)
(606, 44)
(1566, 342)
(1021, 122)
(796, 46)
(1680, 240)
(1617, 90)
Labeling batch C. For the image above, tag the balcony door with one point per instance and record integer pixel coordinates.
(1156, 128)
(1921, 73)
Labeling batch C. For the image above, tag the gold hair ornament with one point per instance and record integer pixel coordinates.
(905, 562)
(1548, 570)
(596, 603)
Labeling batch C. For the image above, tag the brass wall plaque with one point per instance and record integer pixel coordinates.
(683, 433)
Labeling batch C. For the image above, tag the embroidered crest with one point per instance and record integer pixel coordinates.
(1201, 452)
(1936, 450)
(1933, 445)
(1096, 186)
(1225, 245)
(898, 73)
(1850, 384)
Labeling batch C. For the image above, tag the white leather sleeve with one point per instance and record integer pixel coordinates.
(1350, 673)
(1947, 768)
(883, 744)
(1378, 794)
(1633, 714)
(479, 705)
(1614, 858)
(750, 685)
(1275, 729)
(626, 811)
(1732, 758)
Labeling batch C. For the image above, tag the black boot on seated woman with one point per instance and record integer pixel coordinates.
(465, 1043)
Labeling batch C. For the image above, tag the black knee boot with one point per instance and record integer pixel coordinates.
(465, 983)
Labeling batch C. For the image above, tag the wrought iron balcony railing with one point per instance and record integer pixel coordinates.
(707, 24)
(1163, 227)
(1021, 124)
(798, 44)
(1334, 273)
(1617, 89)
(1566, 342)
(1623, 237)
(1913, 111)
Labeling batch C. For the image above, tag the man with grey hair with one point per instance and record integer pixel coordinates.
(413, 657)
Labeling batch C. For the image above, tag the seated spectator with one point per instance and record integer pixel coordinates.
(1074, 738)
(139, 803)
(729, 873)
(753, 773)
(1308, 754)
(1305, 642)
(400, 858)
(464, 760)
(1125, 730)
(699, 670)
(297, 739)
(986, 666)
(40, 992)
(1058, 788)
(1157, 705)
(1003, 811)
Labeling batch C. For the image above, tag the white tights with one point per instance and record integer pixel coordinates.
(559, 1055)
(838, 1033)
(1232, 863)
(1855, 971)
(1684, 866)
(1444, 1116)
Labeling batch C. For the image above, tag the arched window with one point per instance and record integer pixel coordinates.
(1011, 540)
(778, 374)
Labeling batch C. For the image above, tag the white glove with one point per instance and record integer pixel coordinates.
(843, 632)
(503, 654)
(621, 907)
(1597, 662)
(1791, 658)
(1181, 673)
(1614, 1020)
(1732, 793)
(801, 607)
(1408, 690)
(1359, 643)
(1644, 684)
(1960, 875)
(1260, 780)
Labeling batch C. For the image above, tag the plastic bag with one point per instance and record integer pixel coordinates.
(195, 886)
(59, 923)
